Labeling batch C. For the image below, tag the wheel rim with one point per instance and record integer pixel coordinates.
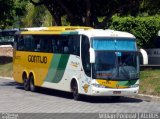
(75, 91)
(26, 85)
(32, 87)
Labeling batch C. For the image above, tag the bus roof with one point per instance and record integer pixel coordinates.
(88, 31)
(51, 30)
(106, 33)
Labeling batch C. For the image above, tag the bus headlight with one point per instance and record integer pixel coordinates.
(135, 85)
(98, 85)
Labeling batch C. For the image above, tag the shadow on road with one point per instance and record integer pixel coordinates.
(10, 83)
(111, 99)
(89, 99)
(62, 94)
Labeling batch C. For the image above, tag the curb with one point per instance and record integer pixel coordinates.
(9, 78)
(148, 97)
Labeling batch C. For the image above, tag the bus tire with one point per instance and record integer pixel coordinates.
(76, 95)
(26, 83)
(31, 83)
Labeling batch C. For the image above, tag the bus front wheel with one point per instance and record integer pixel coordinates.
(76, 95)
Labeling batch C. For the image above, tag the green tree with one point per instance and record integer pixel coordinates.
(95, 13)
(144, 28)
(11, 12)
(87, 12)
(6, 15)
(151, 7)
(19, 12)
(36, 16)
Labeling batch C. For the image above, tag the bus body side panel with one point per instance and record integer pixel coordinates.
(68, 68)
(31, 62)
(55, 76)
(51, 70)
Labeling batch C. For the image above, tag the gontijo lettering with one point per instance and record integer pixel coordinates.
(37, 59)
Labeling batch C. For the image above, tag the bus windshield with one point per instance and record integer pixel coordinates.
(116, 64)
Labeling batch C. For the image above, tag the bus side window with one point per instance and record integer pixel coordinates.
(54, 45)
(42, 44)
(15, 42)
(48, 45)
(60, 44)
(85, 55)
(20, 43)
(27, 43)
(65, 45)
(36, 44)
(74, 44)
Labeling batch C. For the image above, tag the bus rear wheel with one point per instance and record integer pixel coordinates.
(26, 83)
(76, 95)
(31, 83)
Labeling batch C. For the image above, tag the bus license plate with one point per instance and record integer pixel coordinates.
(116, 92)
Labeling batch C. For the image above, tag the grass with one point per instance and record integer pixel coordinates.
(149, 79)
(150, 82)
(6, 70)
(6, 66)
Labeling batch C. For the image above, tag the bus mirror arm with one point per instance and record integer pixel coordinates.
(92, 55)
(144, 56)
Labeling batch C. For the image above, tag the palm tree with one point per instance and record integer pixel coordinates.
(37, 16)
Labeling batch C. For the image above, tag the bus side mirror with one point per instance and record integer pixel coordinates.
(92, 55)
(144, 56)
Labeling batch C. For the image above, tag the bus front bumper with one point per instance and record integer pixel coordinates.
(96, 91)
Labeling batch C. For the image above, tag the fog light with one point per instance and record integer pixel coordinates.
(135, 85)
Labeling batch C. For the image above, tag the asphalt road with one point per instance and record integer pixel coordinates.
(14, 99)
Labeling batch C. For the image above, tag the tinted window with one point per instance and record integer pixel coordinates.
(20, 43)
(66, 44)
(85, 55)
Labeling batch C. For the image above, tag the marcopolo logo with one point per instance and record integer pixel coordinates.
(37, 59)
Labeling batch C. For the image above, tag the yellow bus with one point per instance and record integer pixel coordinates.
(81, 60)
